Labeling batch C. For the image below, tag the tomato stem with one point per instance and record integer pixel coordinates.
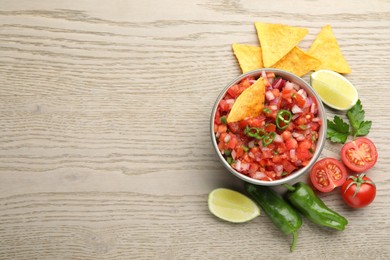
(358, 181)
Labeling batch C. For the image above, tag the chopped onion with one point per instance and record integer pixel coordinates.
(302, 92)
(313, 108)
(295, 117)
(278, 168)
(259, 175)
(298, 136)
(251, 144)
(296, 109)
(289, 85)
(278, 138)
(227, 138)
(251, 155)
(269, 95)
(264, 75)
(230, 101)
(273, 107)
(274, 101)
(277, 83)
(245, 166)
(234, 154)
(316, 119)
(298, 163)
(309, 101)
(237, 165)
(271, 81)
(293, 155)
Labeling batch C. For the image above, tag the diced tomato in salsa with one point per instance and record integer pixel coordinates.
(263, 147)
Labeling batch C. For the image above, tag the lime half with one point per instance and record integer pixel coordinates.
(232, 206)
(334, 89)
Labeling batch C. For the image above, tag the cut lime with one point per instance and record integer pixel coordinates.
(232, 206)
(334, 89)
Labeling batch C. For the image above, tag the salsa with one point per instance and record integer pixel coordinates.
(280, 140)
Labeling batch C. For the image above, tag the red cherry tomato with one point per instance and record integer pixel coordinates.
(328, 173)
(359, 155)
(358, 191)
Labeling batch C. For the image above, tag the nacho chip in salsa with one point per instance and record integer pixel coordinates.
(326, 49)
(249, 103)
(277, 40)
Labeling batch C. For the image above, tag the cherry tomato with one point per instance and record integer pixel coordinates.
(358, 191)
(328, 173)
(359, 155)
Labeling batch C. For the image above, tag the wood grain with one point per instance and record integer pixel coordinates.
(105, 148)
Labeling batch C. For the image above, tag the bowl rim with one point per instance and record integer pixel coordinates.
(322, 132)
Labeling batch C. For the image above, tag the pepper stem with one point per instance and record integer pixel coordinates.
(289, 187)
(294, 241)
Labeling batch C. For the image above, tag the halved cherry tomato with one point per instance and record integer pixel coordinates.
(328, 173)
(358, 191)
(359, 155)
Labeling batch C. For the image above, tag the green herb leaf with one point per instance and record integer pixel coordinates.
(356, 119)
(338, 130)
(364, 128)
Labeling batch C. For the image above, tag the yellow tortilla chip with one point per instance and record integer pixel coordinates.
(277, 40)
(298, 62)
(326, 49)
(249, 57)
(249, 104)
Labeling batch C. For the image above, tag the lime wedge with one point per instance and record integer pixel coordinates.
(232, 206)
(334, 89)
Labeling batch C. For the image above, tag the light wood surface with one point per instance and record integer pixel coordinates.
(105, 149)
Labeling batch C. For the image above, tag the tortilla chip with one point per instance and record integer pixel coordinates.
(249, 104)
(249, 57)
(298, 62)
(277, 40)
(326, 49)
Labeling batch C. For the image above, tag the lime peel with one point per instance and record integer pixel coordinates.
(232, 206)
(334, 89)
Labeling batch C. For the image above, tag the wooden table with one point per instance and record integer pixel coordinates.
(105, 149)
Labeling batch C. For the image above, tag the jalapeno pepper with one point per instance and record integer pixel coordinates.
(303, 198)
(277, 209)
(283, 119)
(255, 132)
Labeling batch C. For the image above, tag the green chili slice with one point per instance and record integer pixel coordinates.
(268, 139)
(255, 132)
(229, 160)
(245, 148)
(283, 119)
(267, 110)
(224, 120)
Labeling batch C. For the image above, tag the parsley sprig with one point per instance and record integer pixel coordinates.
(338, 130)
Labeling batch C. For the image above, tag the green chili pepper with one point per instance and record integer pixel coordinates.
(245, 148)
(229, 160)
(303, 198)
(255, 132)
(268, 139)
(266, 110)
(277, 209)
(224, 120)
(283, 119)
